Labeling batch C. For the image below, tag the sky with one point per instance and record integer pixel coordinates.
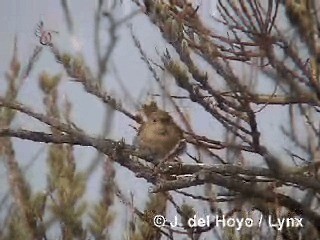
(20, 18)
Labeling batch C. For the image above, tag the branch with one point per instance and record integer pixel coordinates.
(232, 170)
(43, 137)
(198, 174)
(51, 121)
(283, 100)
(118, 151)
(80, 73)
(248, 190)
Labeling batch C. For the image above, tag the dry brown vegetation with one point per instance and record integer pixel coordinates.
(267, 41)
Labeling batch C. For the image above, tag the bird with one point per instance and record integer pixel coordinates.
(159, 135)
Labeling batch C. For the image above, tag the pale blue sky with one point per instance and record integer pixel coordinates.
(20, 17)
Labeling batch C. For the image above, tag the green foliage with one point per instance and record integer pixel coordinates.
(101, 219)
(145, 229)
(177, 72)
(48, 83)
(187, 213)
(17, 228)
(68, 187)
(254, 42)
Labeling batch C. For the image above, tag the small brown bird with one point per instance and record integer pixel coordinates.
(158, 135)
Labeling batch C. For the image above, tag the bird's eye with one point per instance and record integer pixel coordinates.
(154, 120)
